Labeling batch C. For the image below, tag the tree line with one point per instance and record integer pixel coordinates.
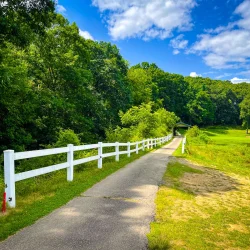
(52, 79)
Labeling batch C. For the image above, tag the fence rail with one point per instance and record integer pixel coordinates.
(10, 157)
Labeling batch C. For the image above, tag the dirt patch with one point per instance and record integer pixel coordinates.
(210, 181)
(238, 227)
(179, 243)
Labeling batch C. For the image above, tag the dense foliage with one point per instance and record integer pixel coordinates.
(142, 122)
(52, 79)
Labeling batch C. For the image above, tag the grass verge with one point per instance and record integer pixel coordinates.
(206, 207)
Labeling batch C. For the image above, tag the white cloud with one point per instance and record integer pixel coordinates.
(176, 52)
(239, 80)
(146, 19)
(85, 34)
(194, 74)
(223, 75)
(178, 44)
(60, 9)
(229, 46)
(245, 72)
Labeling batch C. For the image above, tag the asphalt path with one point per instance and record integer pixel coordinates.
(114, 214)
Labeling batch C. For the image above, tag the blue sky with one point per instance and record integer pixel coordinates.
(210, 38)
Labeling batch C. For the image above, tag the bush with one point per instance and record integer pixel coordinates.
(66, 137)
(193, 132)
(197, 135)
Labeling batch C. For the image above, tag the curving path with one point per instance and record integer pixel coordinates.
(112, 215)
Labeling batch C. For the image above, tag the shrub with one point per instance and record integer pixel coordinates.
(193, 132)
(66, 137)
(197, 135)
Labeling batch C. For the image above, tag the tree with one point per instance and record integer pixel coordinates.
(63, 83)
(141, 85)
(109, 71)
(201, 109)
(245, 111)
(20, 18)
(141, 122)
(17, 106)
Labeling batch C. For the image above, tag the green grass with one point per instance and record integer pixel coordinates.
(210, 209)
(177, 170)
(229, 151)
(37, 197)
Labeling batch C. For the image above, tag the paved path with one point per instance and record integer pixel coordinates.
(112, 215)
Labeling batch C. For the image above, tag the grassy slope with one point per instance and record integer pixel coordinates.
(37, 197)
(217, 218)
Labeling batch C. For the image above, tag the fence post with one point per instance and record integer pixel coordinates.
(100, 154)
(136, 147)
(147, 143)
(128, 149)
(70, 159)
(117, 151)
(9, 177)
(183, 145)
(143, 145)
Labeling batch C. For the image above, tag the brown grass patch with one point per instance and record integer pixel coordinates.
(211, 181)
(238, 227)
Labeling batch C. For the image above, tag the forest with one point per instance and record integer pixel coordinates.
(53, 81)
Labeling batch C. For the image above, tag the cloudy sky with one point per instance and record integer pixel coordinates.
(209, 38)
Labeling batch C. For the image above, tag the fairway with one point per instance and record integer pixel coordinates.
(204, 200)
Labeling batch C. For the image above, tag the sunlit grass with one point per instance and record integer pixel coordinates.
(208, 210)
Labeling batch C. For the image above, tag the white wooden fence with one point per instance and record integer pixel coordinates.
(184, 141)
(10, 157)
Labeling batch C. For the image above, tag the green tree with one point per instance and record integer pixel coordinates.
(63, 83)
(109, 72)
(245, 111)
(20, 19)
(141, 85)
(17, 108)
(141, 122)
(201, 108)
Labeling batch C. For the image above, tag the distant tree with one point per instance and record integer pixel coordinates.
(141, 122)
(245, 111)
(201, 109)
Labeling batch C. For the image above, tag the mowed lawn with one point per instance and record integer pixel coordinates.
(204, 202)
